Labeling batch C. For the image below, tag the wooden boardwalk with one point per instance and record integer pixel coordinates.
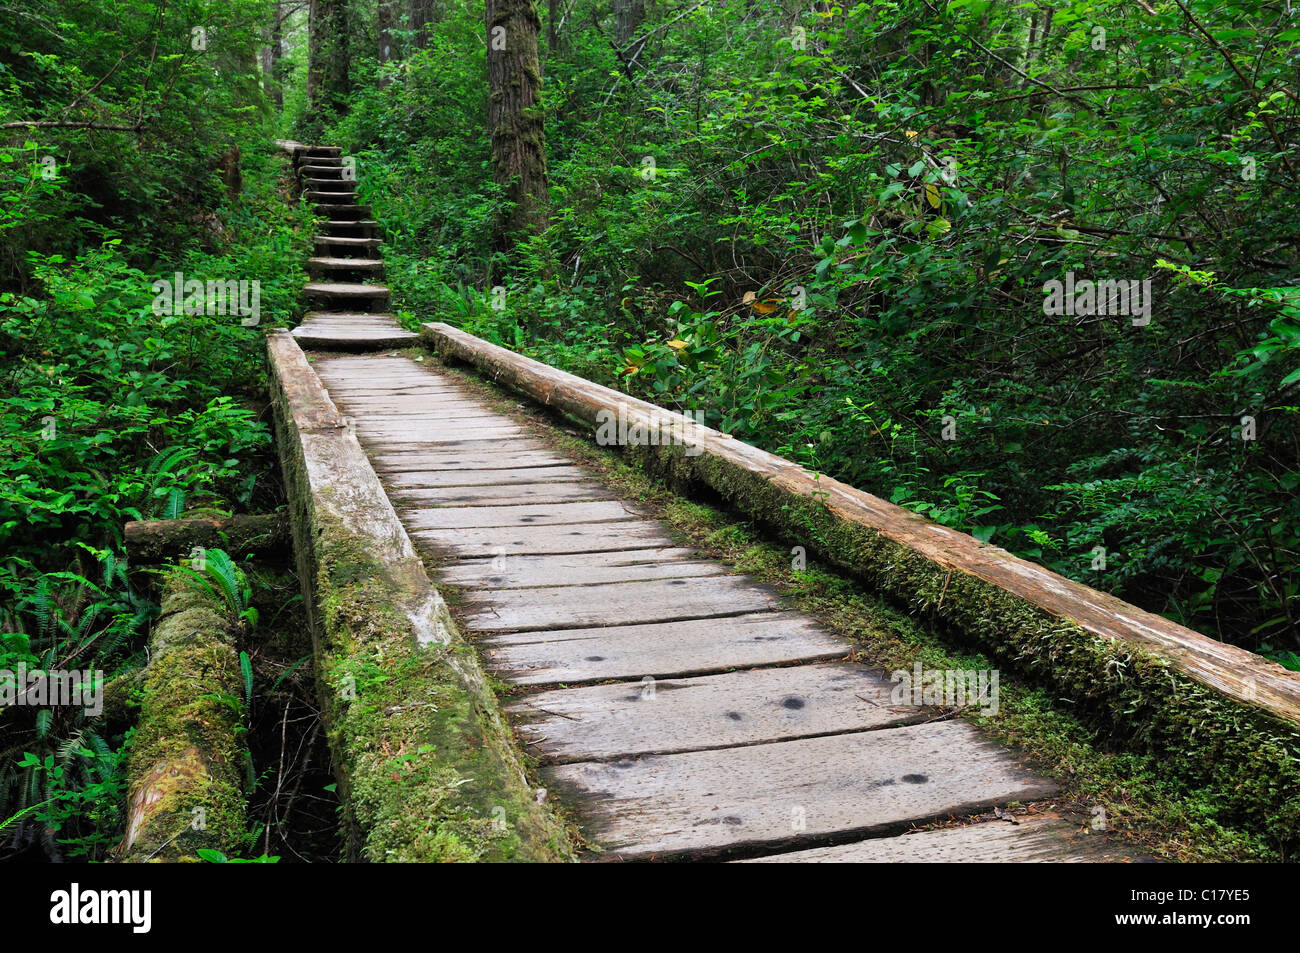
(677, 708)
(681, 710)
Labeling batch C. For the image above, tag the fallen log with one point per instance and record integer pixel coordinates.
(427, 767)
(185, 770)
(156, 541)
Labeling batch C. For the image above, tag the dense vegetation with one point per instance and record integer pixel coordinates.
(829, 228)
(108, 411)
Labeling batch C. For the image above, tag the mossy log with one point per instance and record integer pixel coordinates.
(1219, 715)
(185, 765)
(427, 768)
(156, 541)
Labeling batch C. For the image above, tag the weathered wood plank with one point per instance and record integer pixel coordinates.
(532, 454)
(443, 435)
(409, 403)
(418, 422)
(506, 475)
(601, 722)
(615, 604)
(532, 514)
(422, 427)
(790, 792)
(1032, 841)
(540, 540)
(578, 569)
(661, 650)
(575, 492)
(445, 478)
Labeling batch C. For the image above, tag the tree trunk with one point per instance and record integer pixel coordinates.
(156, 541)
(515, 116)
(628, 15)
(387, 14)
(423, 13)
(275, 50)
(329, 65)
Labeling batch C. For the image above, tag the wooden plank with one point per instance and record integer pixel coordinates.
(497, 495)
(445, 478)
(329, 320)
(388, 445)
(397, 391)
(403, 403)
(528, 454)
(1032, 841)
(373, 340)
(661, 649)
(417, 421)
(1236, 672)
(540, 540)
(758, 706)
(615, 604)
(530, 514)
(443, 436)
(791, 792)
(578, 569)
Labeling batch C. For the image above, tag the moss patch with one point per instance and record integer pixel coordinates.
(186, 759)
(426, 768)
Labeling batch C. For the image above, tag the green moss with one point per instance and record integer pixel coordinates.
(426, 768)
(186, 757)
(424, 777)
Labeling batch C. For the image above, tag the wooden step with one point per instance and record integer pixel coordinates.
(344, 267)
(351, 331)
(318, 171)
(327, 199)
(362, 296)
(326, 185)
(363, 244)
(365, 228)
(328, 246)
(345, 213)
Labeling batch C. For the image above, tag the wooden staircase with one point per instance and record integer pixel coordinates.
(350, 303)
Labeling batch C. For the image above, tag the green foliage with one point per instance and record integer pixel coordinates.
(218, 575)
(217, 857)
(109, 411)
(833, 247)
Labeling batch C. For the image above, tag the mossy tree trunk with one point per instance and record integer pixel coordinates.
(329, 64)
(628, 15)
(515, 117)
(387, 15)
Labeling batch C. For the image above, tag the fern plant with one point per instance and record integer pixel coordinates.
(226, 582)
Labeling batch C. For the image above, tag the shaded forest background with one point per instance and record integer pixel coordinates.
(826, 227)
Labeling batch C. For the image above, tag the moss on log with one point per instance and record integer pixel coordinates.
(156, 541)
(427, 768)
(185, 766)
